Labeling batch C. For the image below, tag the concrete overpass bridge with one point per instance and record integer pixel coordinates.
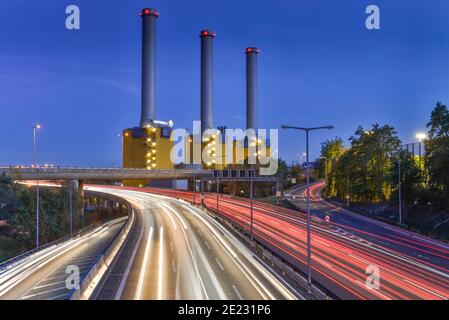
(115, 174)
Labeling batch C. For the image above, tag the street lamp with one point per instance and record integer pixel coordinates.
(35, 128)
(309, 255)
(121, 136)
(421, 136)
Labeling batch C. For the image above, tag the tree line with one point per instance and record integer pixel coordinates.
(369, 170)
(18, 216)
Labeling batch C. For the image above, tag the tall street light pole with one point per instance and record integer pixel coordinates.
(420, 136)
(70, 207)
(35, 128)
(309, 254)
(400, 189)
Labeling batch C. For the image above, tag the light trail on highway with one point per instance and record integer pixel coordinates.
(176, 251)
(42, 275)
(411, 266)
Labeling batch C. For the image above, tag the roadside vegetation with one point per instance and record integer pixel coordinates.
(365, 175)
(18, 216)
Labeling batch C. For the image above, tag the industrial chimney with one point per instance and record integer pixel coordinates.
(251, 88)
(148, 113)
(207, 66)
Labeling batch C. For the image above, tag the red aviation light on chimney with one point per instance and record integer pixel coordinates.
(207, 33)
(149, 12)
(252, 50)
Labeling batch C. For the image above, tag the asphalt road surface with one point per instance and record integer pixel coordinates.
(43, 275)
(176, 251)
(346, 255)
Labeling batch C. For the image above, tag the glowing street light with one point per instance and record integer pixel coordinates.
(35, 128)
(421, 136)
(309, 253)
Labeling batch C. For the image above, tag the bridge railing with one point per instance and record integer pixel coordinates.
(43, 168)
(15, 261)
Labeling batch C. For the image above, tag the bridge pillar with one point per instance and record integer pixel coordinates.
(110, 206)
(82, 207)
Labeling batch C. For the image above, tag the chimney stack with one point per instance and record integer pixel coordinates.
(207, 68)
(148, 113)
(251, 87)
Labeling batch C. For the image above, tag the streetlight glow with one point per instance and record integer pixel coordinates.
(421, 136)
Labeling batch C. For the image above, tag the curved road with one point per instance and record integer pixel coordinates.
(410, 266)
(175, 251)
(42, 275)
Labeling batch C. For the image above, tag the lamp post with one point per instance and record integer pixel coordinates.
(251, 196)
(309, 255)
(421, 136)
(121, 136)
(70, 207)
(35, 128)
(400, 189)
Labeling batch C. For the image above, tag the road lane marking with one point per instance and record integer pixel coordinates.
(207, 245)
(118, 294)
(160, 293)
(427, 290)
(237, 292)
(44, 292)
(219, 264)
(173, 266)
(143, 267)
(58, 296)
(48, 285)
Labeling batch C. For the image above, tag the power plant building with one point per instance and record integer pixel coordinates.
(149, 145)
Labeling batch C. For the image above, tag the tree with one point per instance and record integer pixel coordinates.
(364, 171)
(437, 153)
(331, 151)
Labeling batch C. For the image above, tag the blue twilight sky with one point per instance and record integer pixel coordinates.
(318, 65)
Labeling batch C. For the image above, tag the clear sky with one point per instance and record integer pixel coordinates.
(318, 65)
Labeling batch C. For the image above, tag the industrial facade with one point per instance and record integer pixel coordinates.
(149, 146)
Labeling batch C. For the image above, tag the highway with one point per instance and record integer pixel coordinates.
(42, 275)
(411, 267)
(176, 251)
(374, 231)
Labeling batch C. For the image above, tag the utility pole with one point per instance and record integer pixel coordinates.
(218, 189)
(251, 191)
(347, 191)
(309, 250)
(400, 190)
(70, 207)
(35, 128)
(194, 189)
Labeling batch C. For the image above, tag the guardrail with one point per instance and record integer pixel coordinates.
(278, 265)
(89, 282)
(91, 173)
(17, 260)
